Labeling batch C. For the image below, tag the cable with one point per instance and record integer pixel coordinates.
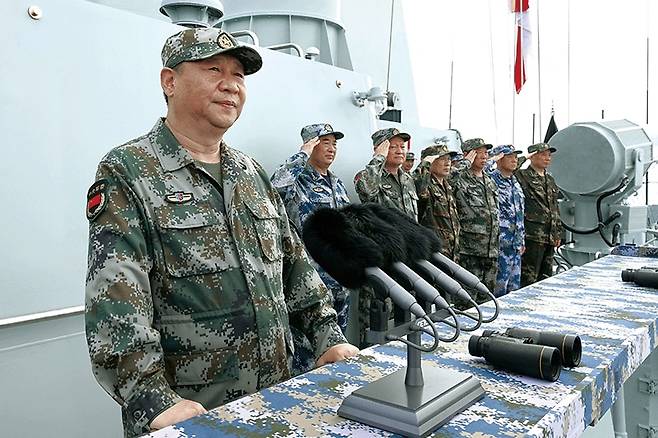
(420, 347)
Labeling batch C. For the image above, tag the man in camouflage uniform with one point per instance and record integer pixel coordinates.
(437, 208)
(383, 180)
(305, 184)
(510, 212)
(410, 158)
(543, 227)
(477, 202)
(194, 274)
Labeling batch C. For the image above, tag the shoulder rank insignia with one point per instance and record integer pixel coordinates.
(179, 197)
(96, 199)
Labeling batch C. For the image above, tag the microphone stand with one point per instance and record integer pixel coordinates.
(418, 399)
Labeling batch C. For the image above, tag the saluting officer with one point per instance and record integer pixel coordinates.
(383, 180)
(437, 208)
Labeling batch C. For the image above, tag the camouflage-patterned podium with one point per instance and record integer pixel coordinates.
(617, 324)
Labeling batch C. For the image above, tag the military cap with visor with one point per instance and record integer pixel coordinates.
(318, 130)
(541, 147)
(203, 43)
(410, 156)
(386, 134)
(438, 150)
(474, 143)
(505, 149)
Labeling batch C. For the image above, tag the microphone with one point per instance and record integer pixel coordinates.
(352, 257)
(422, 244)
(397, 250)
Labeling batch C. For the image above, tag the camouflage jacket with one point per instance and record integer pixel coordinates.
(477, 204)
(303, 191)
(437, 209)
(375, 184)
(542, 216)
(192, 287)
(510, 210)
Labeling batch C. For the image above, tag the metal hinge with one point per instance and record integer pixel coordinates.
(650, 431)
(651, 386)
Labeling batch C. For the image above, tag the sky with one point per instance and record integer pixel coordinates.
(587, 57)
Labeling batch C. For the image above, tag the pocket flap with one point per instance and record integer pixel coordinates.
(184, 216)
(262, 208)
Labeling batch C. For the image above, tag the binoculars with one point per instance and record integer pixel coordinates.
(645, 276)
(529, 352)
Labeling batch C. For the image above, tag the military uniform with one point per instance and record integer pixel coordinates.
(304, 190)
(543, 226)
(512, 231)
(437, 208)
(194, 281)
(376, 184)
(477, 204)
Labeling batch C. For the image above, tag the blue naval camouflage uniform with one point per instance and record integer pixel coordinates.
(193, 284)
(303, 191)
(512, 230)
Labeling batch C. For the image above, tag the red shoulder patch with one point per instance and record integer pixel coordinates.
(96, 199)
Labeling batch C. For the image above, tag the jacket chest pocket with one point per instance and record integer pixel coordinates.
(195, 240)
(265, 219)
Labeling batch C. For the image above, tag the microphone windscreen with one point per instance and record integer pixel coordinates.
(389, 239)
(340, 248)
(421, 241)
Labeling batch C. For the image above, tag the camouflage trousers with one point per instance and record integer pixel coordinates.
(304, 358)
(537, 262)
(509, 270)
(485, 269)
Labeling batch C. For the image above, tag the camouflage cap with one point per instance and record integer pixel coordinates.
(198, 44)
(540, 147)
(457, 156)
(437, 149)
(318, 130)
(505, 149)
(474, 143)
(387, 134)
(410, 156)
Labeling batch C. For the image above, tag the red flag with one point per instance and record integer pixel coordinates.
(522, 21)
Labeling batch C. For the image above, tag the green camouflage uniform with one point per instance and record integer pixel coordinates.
(543, 226)
(192, 284)
(477, 203)
(437, 208)
(376, 184)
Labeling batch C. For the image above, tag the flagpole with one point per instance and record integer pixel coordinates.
(538, 68)
(646, 112)
(568, 62)
(493, 74)
(452, 66)
(533, 128)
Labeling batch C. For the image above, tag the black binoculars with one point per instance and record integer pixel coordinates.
(645, 276)
(529, 352)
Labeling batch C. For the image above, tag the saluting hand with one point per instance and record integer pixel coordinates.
(430, 158)
(470, 156)
(382, 149)
(498, 156)
(310, 145)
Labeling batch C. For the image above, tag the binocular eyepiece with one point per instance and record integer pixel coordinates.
(517, 355)
(526, 351)
(646, 276)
